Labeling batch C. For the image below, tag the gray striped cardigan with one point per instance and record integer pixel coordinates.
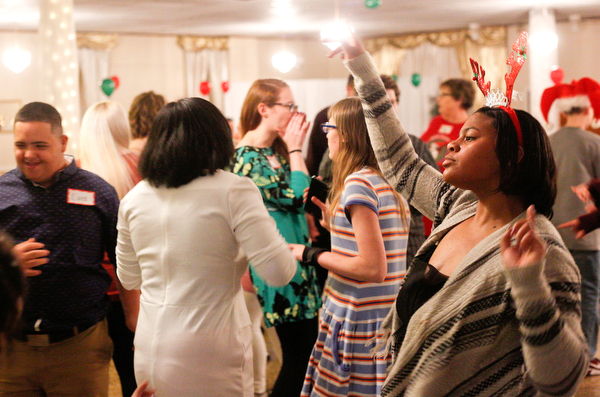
(488, 331)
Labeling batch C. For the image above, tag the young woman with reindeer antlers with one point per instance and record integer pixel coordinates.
(491, 305)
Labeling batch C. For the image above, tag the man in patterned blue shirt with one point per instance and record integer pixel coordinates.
(63, 219)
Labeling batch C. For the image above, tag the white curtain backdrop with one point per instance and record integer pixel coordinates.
(93, 67)
(58, 45)
(207, 65)
(434, 64)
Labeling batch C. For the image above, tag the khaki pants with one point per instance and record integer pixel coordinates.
(77, 366)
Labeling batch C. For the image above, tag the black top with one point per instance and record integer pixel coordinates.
(422, 282)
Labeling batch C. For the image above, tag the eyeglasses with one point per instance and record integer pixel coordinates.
(292, 106)
(327, 127)
(443, 94)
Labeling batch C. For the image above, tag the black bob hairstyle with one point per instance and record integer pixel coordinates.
(533, 177)
(189, 138)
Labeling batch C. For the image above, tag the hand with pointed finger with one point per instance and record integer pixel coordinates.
(31, 254)
(349, 49)
(520, 245)
(575, 225)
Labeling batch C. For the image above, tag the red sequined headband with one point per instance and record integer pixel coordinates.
(496, 97)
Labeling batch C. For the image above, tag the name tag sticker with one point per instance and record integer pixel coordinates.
(273, 161)
(81, 197)
(445, 129)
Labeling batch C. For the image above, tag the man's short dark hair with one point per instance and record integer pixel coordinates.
(461, 90)
(41, 112)
(189, 138)
(390, 84)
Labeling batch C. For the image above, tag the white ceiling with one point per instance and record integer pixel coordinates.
(287, 18)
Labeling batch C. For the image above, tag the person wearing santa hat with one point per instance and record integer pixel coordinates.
(577, 156)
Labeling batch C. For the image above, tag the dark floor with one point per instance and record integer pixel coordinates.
(590, 387)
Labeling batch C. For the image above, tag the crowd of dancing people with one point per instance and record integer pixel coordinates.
(171, 242)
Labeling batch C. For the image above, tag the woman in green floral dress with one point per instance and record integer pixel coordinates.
(270, 154)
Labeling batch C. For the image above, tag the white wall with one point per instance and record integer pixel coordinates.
(145, 62)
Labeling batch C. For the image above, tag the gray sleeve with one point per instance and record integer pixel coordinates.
(420, 184)
(423, 151)
(546, 298)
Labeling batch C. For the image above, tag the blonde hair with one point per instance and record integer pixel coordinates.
(355, 151)
(103, 139)
(262, 91)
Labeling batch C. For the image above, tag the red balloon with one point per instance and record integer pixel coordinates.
(116, 80)
(205, 88)
(557, 75)
(225, 86)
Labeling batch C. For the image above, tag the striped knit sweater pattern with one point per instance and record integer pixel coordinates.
(489, 331)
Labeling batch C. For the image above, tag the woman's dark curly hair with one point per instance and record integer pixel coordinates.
(143, 111)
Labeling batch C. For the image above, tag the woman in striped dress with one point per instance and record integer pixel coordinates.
(369, 229)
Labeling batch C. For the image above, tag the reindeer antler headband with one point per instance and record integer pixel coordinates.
(496, 98)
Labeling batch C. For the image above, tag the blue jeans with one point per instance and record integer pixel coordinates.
(588, 263)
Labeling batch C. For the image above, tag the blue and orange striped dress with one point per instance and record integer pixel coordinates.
(341, 364)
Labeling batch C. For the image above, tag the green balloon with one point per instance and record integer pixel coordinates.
(107, 86)
(372, 3)
(416, 79)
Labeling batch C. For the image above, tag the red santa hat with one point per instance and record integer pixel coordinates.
(582, 93)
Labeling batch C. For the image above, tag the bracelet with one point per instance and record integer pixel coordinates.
(311, 254)
(294, 151)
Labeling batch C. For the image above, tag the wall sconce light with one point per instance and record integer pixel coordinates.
(16, 59)
(284, 61)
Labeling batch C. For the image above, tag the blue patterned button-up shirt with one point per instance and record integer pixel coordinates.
(72, 287)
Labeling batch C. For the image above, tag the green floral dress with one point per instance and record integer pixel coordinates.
(282, 191)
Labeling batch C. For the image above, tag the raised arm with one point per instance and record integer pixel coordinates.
(420, 184)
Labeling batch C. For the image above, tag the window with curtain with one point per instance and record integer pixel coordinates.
(94, 60)
(206, 67)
